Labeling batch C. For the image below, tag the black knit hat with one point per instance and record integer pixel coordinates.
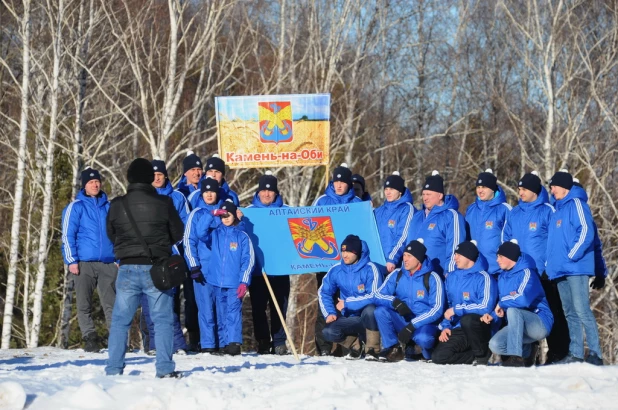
(209, 184)
(531, 182)
(268, 182)
(191, 161)
(88, 175)
(140, 171)
(510, 250)
(158, 165)
(468, 249)
(417, 249)
(562, 179)
(352, 243)
(342, 173)
(488, 179)
(360, 180)
(396, 182)
(229, 206)
(215, 163)
(434, 183)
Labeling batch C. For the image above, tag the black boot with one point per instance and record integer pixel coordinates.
(514, 361)
(92, 344)
(233, 349)
(172, 375)
(263, 346)
(194, 342)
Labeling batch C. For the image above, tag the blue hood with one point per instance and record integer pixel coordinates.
(100, 200)
(339, 199)
(167, 189)
(450, 202)
(406, 197)
(479, 265)
(277, 203)
(361, 263)
(525, 261)
(575, 192)
(542, 199)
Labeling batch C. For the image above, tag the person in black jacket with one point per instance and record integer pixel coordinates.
(159, 223)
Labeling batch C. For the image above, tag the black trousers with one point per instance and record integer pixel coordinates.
(558, 340)
(191, 321)
(261, 299)
(465, 343)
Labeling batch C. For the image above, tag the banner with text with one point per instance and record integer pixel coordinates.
(297, 240)
(274, 130)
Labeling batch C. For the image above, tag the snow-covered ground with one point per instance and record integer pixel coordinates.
(49, 378)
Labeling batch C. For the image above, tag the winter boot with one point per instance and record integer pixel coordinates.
(233, 349)
(392, 354)
(209, 350)
(352, 343)
(194, 342)
(594, 359)
(373, 340)
(172, 375)
(514, 361)
(371, 355)
(281, 350)
(531, 360)
(569, 359)
(482, 360)
(91, 344)
(263, 346)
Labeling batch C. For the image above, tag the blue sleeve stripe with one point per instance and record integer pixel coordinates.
(245, 276)
(550, 207)
(187, 244)
(315, 203)
(379, 293)
(320, 302)
(65, 239)
(404, 234)
(509, 207)
(522, 286)
(451, 265)
(582, 234)
(438, 303)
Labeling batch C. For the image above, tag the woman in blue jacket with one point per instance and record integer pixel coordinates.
(522, 302)
(571, 262)
(410, 304)
(487, 216)
(393, 219)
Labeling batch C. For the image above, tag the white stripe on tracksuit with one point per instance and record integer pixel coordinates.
(65, 238)
(437, 305)
(245, 276)
(522, 286)
(451, 265)
(584, 231)
(379, 293)
(187, 245)
(404, 235)
(322, 307)
(485, 300)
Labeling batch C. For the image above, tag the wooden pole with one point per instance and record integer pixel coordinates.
(285, 327)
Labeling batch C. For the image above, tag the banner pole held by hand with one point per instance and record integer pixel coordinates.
(285, 328)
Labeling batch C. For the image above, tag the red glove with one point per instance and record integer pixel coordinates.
(218, 212)
(241, 291)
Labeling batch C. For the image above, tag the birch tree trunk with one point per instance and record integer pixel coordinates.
(19, 180)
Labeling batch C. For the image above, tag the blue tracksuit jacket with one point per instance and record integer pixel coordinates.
(442, 230)
(225, 193)
(357, 284)
(393, 220)
(180, 202)
(485, 221)
(84, 234)
(470, 291)
(529, 222)
(331, 198)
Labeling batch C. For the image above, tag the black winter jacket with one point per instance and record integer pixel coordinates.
(156, 218)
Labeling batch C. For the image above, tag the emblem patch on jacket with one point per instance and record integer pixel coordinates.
(420, 294)
(391, 223)
(233, 246)
(361, 288)
(466, 296)
(431, 226)
(558, 223)
(532, 226)
(489, 224)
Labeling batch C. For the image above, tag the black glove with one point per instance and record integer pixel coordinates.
(401, 307)
(406, 334)
(197, 276)
(598, 282)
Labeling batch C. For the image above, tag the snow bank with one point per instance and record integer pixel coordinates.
(48, 378)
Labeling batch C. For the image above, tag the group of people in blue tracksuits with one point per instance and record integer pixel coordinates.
(459, 289)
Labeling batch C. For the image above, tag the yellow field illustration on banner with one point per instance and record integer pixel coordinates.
(276, 130)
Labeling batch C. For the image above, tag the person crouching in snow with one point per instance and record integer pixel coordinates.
(357, 280)
(522, 301)
(471, 292)
(197, 244)
(410, 305)
(229, 274)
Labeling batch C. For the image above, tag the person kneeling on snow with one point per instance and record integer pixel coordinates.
(410, 304)
(229, 273)
(357, 280)
(471, 292)
(522, 301)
